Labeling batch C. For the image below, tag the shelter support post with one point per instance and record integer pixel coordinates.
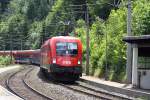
(134, 67)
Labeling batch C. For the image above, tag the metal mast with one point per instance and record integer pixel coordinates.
(129, 49)
(87, 39)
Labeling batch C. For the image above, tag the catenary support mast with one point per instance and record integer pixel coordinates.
(129, 49)
(87, 39)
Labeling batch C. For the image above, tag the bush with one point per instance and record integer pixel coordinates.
(5, 60)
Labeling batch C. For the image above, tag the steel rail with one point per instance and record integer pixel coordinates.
(7, 83)
(86, 93)
(121, 96)
(33, 89)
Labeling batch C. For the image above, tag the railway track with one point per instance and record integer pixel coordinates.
(26, 92)
(74, 88)
(98, 90)
(29, 84)
(53, 89)
(89, 91)
(9, 88)
(33, 89)
(101, 94)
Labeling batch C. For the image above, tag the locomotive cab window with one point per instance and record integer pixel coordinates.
(66, 48)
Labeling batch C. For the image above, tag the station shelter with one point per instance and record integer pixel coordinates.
(140, 60)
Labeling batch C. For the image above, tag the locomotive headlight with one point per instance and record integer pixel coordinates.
(79, 62)
(54, 60)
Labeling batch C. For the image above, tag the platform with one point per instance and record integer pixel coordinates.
(4, 93)
(3, 69)
(110, 86)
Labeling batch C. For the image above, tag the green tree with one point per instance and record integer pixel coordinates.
(13, 29)
(35, 34)
(32, 9)
(141, 17)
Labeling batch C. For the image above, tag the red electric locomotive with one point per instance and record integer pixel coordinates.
(62, 57)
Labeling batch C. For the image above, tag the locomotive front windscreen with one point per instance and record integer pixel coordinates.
(66, 48)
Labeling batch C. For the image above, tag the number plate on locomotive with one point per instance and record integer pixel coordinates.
(67, 62)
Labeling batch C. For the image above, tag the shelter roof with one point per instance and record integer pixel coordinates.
(137, 39)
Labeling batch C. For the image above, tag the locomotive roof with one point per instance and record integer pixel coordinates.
(60, 38)
(64, 37)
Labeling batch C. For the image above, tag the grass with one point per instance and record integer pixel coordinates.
(5, 61)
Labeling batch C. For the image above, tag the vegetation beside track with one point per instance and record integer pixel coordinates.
(5, 61)
(106, 35)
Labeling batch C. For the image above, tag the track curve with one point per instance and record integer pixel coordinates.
(9, 82)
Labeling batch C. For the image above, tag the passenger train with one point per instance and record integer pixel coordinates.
(59, 56)
(23, 56)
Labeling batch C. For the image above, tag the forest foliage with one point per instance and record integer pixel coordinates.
(31, 22)
(5, 61)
